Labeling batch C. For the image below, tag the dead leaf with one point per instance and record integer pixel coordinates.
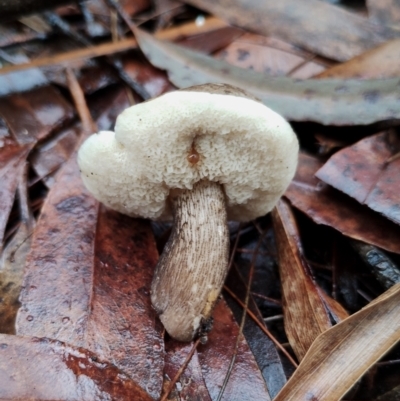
(40, 369)
(327, 101)
(98, 282)
(341, 355)
(12, 161)
(272, 57)
(385, 12)
(191, 385)
(328, 30)
(264, 350)
(379, 62)
(246, 382)
(328, 206)
(12, 260)
(210, 42)
(301, 299)
(365, 172)
(48, 156)
(33, 115)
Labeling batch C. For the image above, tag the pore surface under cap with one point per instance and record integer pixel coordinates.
(246, 147)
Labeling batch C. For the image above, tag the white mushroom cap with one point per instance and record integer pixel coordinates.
(241, 144)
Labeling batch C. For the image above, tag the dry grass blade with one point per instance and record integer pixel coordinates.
(330, 101)
(301, 298)
(341, 355)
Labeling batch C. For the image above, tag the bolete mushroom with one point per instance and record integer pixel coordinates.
(203, 155)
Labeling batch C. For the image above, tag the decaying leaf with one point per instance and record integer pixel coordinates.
(264, 350)
(12, 261)
(341, 355)
(328, 206)
(382, 266)
(41, 369)
(326, 30)
(379, 62)
(301, 298)
(270, 56)
(246, 381)
(12, 161)
(329, 101)
(33, 115)
(191, 383)
(368, 171)
(386, 12)
(98, 282)
(49, 155)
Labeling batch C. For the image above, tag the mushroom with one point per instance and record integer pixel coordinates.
(201, 155)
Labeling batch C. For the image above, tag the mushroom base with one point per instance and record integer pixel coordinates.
(193, 266)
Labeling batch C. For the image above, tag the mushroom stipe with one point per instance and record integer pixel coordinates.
(193, 266)
(225, 156)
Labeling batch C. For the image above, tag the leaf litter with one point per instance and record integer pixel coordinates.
(104, 311)
(329, 101)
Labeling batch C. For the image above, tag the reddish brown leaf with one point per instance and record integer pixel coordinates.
(327, 206)
(246, 382)
(379, 62)
(301, 298)
(42, 369)
(191, 385)
(48, 156)
(327, 30)
(209, 42)
(364, 172)
(96, 270)
(264, 350)
(12, 260)
(33, 115)
(154, 81)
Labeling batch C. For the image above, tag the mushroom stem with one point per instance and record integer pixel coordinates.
(193, 266)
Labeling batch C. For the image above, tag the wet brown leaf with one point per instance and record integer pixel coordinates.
(365, 172)
(380, 62)
(12, 261)
(326, 101)
(48, 156)
(328, 206)
(301, 298)
(209, 42)
(341, 355)
(33, 115)
(326, 30)
(264, 350)
(246, 381)
(42, 369)
(191, 385)
(98, 282)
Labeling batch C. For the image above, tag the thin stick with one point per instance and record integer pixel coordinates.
(110, 48)
(181, 370)
(77, 94)
(261, 326)
(245, 310)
